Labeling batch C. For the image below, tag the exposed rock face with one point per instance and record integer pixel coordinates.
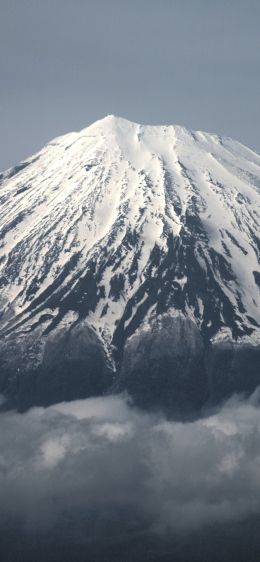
(232, 367)
(164, 366)
(130, 260)
(64, 365)
(167, 365)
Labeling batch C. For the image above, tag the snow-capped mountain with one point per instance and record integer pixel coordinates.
(127, 248)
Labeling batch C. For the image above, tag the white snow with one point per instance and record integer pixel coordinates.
(117, 175)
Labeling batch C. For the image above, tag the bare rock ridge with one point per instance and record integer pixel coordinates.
(130, 261)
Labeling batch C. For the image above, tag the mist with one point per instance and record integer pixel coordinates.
(96, 471)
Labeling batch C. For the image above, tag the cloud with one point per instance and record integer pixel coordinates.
(106, 468)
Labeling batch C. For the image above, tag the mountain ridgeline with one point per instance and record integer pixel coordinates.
(130, 262)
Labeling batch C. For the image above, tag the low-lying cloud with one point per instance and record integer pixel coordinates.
(103, 468)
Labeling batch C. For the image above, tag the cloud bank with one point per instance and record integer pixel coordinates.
(103, 468)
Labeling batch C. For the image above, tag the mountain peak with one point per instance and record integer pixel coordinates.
(125, 229)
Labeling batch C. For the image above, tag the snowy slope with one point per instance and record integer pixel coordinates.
(121, 222)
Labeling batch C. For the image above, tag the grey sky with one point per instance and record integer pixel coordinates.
(64, 64)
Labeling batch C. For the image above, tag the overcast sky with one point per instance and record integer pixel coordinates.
(66, 63)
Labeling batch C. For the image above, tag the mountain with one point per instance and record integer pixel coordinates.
(130, 261)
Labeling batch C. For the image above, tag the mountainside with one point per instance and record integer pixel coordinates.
(130, 260)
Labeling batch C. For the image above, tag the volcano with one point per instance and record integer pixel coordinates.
(130, 262)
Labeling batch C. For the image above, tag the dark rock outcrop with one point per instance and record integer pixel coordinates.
(64, 365)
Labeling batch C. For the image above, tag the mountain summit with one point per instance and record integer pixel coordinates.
(130, 260)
